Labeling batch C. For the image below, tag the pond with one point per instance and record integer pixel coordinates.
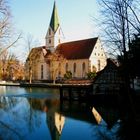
(38, 114)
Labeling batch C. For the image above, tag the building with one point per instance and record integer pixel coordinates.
(79, 57)
(109, 80)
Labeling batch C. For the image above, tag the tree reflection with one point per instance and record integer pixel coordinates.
(18, 117)
(6, 105)
(34, 115)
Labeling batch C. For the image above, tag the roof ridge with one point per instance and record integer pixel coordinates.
(78, 40)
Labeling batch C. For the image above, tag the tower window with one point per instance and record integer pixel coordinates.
(49, 41)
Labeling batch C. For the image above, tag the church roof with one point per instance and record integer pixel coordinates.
(54, 23)
(35, 52)
(80, 49)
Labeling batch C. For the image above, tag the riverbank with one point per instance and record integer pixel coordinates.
(4, 83)
(46, 85)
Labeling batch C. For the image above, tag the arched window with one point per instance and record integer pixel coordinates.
(74, 69)
(59, 70)
(66, 67)
(83, 69)
(42, 71)
(94, 68)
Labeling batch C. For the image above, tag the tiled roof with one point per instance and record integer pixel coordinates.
(110, 64)
(81, 49)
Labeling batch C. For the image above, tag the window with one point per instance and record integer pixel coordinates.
(98, 65)
(83, 69)
(49, 31)
(49, 41)
(74, 69)
(59, 68)
(66, 67)
(94, 68)
(83, 66)
(41, 71)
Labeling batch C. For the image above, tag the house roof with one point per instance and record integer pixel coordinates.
(80, 49)
(35, 52)
(110, 64)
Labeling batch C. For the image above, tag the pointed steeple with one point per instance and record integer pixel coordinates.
(54, 24)
(54, 34)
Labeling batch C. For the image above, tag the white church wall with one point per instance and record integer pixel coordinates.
(98, 57)
(78, 72)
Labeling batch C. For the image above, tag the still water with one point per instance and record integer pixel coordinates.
(37, 114)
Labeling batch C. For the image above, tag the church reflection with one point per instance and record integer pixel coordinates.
(55, 120)
(57, 112)
(38, 117)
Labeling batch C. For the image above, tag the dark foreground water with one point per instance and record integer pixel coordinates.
(37, 114)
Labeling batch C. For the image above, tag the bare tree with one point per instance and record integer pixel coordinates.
(55, 61)
(7, 39)
(119, 21)
(30, 43)
(6, 29)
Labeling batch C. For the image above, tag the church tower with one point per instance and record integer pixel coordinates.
(54, 34)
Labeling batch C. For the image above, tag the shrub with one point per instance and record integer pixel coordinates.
(91, 75)
(68, 75)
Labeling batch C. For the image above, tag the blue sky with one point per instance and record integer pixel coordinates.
(33, 17)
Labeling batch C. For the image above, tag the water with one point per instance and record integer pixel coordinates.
(37, 114)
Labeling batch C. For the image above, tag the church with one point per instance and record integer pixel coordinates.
(56, 57)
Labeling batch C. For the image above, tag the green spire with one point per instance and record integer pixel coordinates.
(54, 24)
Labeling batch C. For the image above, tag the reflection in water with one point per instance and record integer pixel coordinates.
(25, 119)
(55, 120)
(2, 90)
(104, 131)
(40, 115)
(97, 116)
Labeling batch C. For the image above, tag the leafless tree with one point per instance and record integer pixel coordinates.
(119, 21)
(55, 60)
(6, 29)
(29, 44)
